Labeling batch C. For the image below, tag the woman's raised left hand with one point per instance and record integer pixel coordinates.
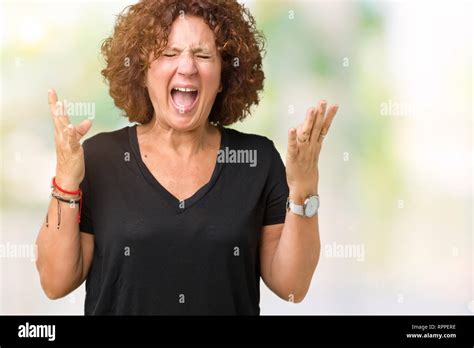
(304, 147)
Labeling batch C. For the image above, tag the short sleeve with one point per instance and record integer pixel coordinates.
(85, 224)
(276, 190)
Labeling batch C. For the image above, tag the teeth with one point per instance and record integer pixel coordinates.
(185, 89)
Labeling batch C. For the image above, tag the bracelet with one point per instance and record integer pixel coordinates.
(63, 199)
(57, 192)
(54, 184)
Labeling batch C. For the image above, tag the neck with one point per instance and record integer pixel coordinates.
(184, 144)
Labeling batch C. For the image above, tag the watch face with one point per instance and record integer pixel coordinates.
(311, 206)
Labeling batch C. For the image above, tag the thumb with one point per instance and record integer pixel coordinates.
(83, 127)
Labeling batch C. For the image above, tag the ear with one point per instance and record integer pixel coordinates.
(220, 88)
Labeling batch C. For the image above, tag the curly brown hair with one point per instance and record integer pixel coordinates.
(143, 29)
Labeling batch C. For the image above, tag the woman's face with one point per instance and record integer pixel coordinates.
(184, 81)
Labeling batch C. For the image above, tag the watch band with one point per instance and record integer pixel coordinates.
(295, 208)
(301, 210)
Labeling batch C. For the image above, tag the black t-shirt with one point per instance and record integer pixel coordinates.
(154, 254)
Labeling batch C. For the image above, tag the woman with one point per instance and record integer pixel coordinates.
(170, 221)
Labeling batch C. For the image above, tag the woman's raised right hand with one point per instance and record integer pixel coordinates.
(70, 167)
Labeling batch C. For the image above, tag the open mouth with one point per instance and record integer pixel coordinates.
(184, 98)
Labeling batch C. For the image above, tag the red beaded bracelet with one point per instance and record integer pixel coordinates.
(77, 192)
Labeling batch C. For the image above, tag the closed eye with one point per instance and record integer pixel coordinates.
(169, 54)
(203, 56)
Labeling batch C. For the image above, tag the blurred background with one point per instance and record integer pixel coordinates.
(395, 171)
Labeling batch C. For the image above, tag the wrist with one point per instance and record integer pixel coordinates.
(298, 196)
(68, 196)
(66, 184)
(66, 189)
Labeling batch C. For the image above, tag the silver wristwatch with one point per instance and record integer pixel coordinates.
(308, 209)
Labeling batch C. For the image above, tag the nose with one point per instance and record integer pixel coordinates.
(186, 65)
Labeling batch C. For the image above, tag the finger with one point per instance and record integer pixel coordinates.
(83, 127)
(319, 119)
(307, 125)
(72, 137)
(329, 117)
(61, 114)
(299, 137)
(52, 100)
(292, 143)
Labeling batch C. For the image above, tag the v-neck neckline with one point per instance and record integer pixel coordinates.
(180, 206)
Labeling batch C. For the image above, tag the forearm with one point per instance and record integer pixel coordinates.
(59, 259)
(296, 255)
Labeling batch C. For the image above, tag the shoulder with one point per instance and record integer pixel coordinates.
(102, 145)
(107, 138)
(261, 147)
(243, 140)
